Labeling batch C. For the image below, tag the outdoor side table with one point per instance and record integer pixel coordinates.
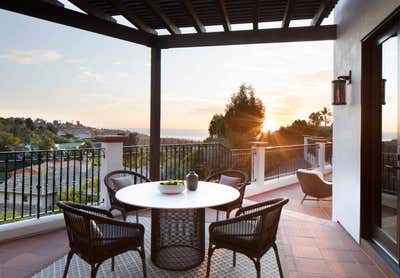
(177, 221)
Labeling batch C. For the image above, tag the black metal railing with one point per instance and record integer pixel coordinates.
(390, 173)
(31, 182)
(242, 159)
(328, 153)
(285, 160)
(176, 160)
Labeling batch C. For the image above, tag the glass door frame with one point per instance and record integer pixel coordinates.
(371, 137)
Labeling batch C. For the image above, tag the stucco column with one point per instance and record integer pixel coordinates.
(113, 160)
(258, 162)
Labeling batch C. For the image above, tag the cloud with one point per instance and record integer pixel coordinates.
(88, 75)
(31, 56)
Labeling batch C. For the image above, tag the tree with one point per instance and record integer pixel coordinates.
(315, 119)
(133, 139)
(8, 140)
(243, 118)
(326, 115)
(29, 124)
(216, 128)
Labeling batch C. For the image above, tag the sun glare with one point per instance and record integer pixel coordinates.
(269, 125)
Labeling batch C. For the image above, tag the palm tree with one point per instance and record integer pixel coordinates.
(315, 118)
(326, 114)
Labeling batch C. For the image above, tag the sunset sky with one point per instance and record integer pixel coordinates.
(60, 73)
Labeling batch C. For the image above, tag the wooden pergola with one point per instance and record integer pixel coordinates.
(149, 16)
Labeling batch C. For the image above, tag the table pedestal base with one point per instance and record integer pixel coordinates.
(177, 238)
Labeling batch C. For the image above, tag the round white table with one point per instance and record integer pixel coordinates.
(178, 220)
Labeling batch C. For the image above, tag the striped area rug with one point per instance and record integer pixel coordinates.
(129, 265)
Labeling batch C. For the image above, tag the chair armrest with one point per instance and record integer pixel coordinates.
(99, 211)
(90, 209)
(234, 224)
(242, 188)
(254, 208)
(118, 223)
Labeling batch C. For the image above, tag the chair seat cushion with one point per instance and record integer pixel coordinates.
(115, 240)
(121, 182)
(245, 235)
(231, 181)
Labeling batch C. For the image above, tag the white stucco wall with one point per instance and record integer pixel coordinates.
(355, 19)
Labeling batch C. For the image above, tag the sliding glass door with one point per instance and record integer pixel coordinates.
(387, 222)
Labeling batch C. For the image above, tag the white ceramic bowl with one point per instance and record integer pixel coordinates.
(171, 189)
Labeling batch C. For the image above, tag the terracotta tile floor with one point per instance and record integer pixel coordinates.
(310, 244)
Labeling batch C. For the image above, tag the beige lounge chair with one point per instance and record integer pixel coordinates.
(313, 185)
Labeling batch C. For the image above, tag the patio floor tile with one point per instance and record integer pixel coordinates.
(337, 255)
(306, 252)
(312, 266)
(348, 269)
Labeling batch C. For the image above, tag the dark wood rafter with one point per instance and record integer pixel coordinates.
(323, 11)
(277, 35)
(54, 13)
(136, 21)
(85, 6)
(169, 25)
(288, 13)
(224, 15)
(198, 25)
(55, 2)
(256, 14)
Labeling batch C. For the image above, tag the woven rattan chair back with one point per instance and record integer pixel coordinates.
(265, 217)
(215, 177)
(252, 232)
(112, 188)
(241, 186)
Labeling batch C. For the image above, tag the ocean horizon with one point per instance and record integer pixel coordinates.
(181, 133)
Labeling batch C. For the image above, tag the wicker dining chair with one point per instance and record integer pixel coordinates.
(95, 236)
(252, 232)
(117, 180)
(234, 178)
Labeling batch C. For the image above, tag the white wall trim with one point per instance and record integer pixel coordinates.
(31, 227)
(255, 189)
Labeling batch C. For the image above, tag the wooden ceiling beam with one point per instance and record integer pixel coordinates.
(55, 2)
(136, 21)
(44, 10)
(198, 25)
(322, 12)
(288, 13)
(171, 27)
(276, 35)
(224, 15)
(91, 10)
(256, 12)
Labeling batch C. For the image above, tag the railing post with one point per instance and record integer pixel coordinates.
(258, 162)
(321, 157)
(113, 160)
(306, 143)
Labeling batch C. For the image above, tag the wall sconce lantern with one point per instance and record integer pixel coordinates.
(339, 89)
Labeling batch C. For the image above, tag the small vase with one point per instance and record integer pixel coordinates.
(192, 180)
